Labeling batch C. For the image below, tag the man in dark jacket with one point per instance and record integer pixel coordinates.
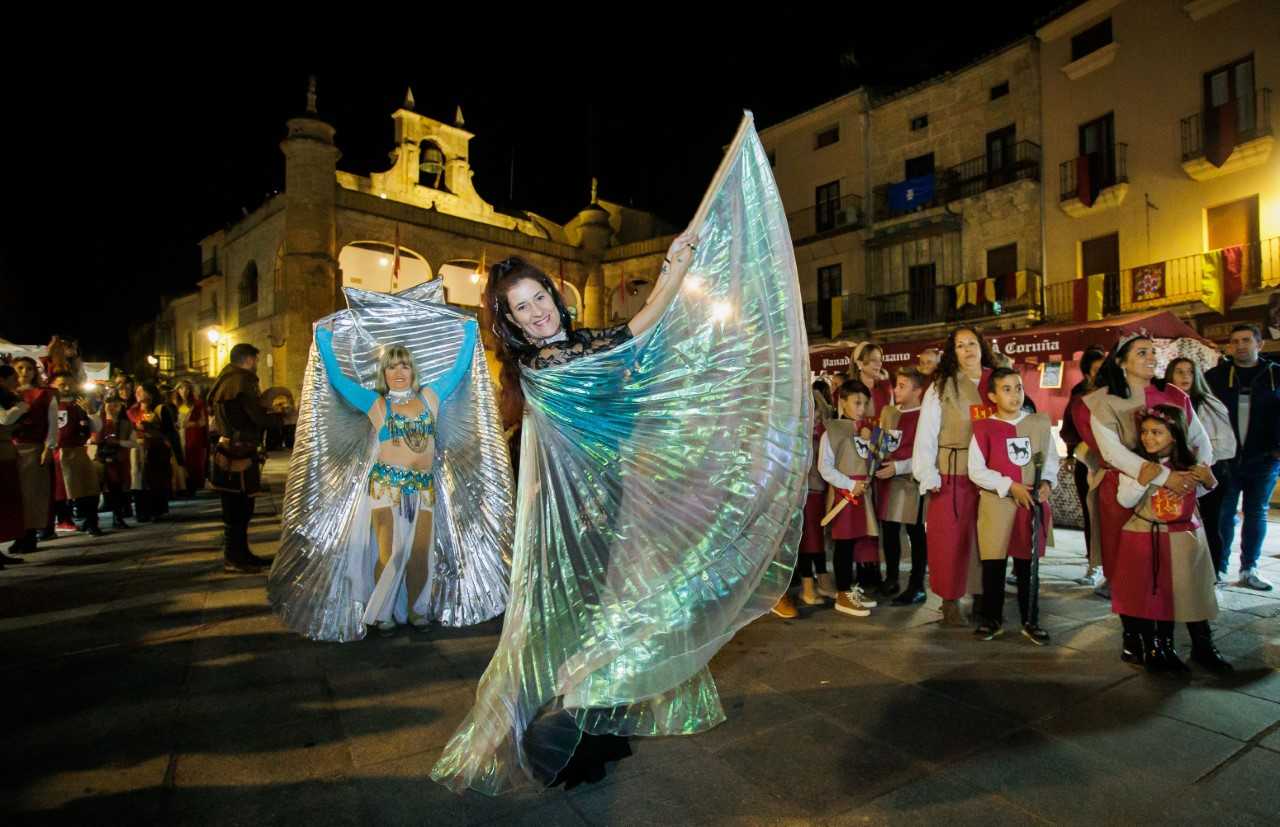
(235, 404)
(1249, 384)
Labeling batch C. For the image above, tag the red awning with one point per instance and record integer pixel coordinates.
(1045, 342)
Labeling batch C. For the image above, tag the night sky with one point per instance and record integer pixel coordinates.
(133, 148)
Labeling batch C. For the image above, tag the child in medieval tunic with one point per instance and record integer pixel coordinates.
(1003, 453)
(940, 463)
(844, 460)
(35, 437)
(115, 444)
(79, 477)
(816, 583)
(1162, 571)
(898, 499)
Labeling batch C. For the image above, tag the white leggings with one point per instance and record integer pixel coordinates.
(400, 541)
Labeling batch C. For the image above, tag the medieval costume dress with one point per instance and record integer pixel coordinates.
(36, 432)
(79, 478)
(941, 460)
(898, 499)
(152, 460)
(336, 571)
(661, 493)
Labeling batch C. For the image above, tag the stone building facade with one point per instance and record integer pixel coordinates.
(269, 276)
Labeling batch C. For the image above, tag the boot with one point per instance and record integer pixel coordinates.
(910, 596)
(1203, 652)
(809, 592)
(245, 552)
(1171, 656)
(976, 614)
(827, 585)
(1155, 658)
(951, 614)
(785, 608)
(1133, 649)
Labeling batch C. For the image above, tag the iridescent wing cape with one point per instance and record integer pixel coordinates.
(335, 447)
(659, 503)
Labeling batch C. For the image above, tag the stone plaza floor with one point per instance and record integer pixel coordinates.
(145, 686)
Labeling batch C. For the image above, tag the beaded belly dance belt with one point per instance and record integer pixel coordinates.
(393, 481)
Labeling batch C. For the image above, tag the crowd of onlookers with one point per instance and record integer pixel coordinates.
(72, 448)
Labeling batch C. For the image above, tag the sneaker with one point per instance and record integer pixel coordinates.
(890, 587)
(1250, 579)
(785, 608)
(1091, 578)
(910, 597)
(863, 598)
(988, 631)
(848, 603)
(1033, 633)
(66, 525)
(1103, 590)
(386, 628)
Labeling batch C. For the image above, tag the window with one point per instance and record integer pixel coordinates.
(1098, 146)
(1000, 153)
(830, 286)
(1233, 83)
(1091, 39)
(1232, 224)
(1000, 90)
(919, 122)
(919, 165)
(249, 284)
(826, 202)
(923, 282)
(1002, 261)
(827, 137)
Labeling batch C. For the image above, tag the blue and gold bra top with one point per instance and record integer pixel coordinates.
(400, 428)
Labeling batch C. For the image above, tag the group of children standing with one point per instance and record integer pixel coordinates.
(962, 450)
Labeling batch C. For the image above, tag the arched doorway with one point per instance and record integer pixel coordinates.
(372, 265)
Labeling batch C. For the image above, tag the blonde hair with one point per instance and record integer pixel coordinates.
(392, 355)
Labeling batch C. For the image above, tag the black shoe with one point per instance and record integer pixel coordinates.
(1033, 633)
(1207, 655)
(7, 560)
(238, 567)
(988, 631)
(890, 587)
(1133, 649)
(910, 597)
(47, 534)
(1155, 658)
(256, 560)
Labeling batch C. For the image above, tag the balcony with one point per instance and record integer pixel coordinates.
(1112, 183)
(1251, 144)
(853, 315)
(984, 299)
(827, 218)
(964, 180)
(1177, 281)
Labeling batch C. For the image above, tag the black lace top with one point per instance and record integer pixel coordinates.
(578, 343)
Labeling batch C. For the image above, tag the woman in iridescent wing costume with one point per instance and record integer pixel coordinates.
(401, 494)
(660, 498)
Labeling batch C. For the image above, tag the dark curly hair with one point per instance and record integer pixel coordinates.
(949, 364)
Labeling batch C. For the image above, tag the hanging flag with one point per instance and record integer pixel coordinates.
(1220, 133)
(962, 296)
(989, 290)
(1211, 281)
(1087, 298)
(1020, 284)
(1148, 282)
(1232, 275)
(972, 287)
(1086, 179)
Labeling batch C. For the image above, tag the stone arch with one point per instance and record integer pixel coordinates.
(370, 265)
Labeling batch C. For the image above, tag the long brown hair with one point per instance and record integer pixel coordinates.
(949, 364)
(510, 343)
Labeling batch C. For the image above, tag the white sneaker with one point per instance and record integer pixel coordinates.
(1250, 579)
(868, 602)
(847, 603)
(1090, 578)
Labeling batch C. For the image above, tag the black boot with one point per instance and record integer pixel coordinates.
(1203, 652)
(1133, 649)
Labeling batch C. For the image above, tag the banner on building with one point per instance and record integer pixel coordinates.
(1148, 282)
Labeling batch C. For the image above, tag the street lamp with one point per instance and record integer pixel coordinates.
(152, 360)
(214, 335)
